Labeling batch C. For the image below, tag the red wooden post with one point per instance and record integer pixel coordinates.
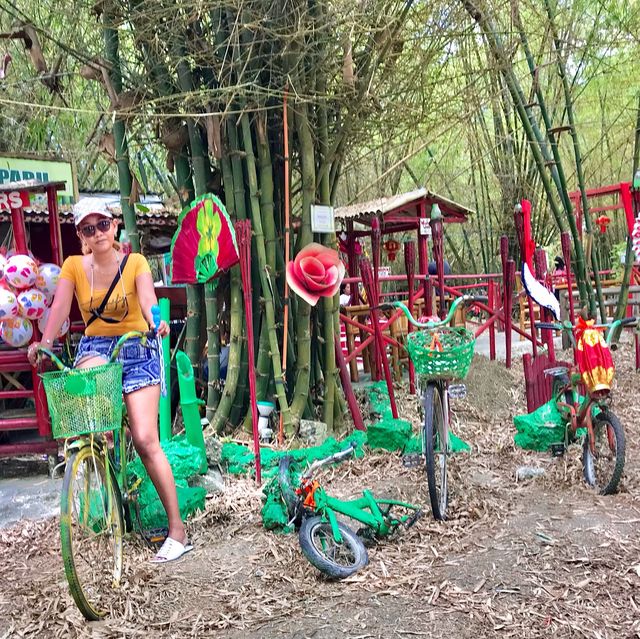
(504, 256)
(524, 245)
(492, 326)
(423, 261)
(379, 352)
(243, 232)
(410, 265)
(540, 258)
(352, 402)
(54, 226)
(367, 281)
(565, 240)
(352, 262)
(19, 233)
(376, 241)
(510, 271)
(436, 226)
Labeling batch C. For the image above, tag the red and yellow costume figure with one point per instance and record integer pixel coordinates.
(593, 356)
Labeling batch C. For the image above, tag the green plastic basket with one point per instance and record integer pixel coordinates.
(87, 400)
(452, 362)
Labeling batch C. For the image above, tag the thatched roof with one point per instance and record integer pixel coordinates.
(403, 205)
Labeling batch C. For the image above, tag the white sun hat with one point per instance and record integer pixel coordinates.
(91, 206)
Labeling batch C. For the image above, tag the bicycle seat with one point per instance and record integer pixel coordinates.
(557, 371)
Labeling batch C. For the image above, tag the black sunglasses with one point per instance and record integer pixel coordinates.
(90, 229)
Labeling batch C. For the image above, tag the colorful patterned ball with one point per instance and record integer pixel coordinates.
(21, 272)
(8, 304)
(16, 332)
(3, 265)
(48, 276)
(42, 323)
(32, 303)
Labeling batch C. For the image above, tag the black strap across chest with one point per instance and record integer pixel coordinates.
(96, 313)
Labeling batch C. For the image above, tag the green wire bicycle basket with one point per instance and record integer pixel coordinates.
(82, 401)
(452, 362)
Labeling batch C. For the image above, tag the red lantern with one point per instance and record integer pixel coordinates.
(391, 247)
(602, 222)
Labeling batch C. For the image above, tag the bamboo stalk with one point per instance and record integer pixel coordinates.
(221, 416)
(264, 275)
(111, 47)
(213, 350)
(303, 314)
(568, 103)
(623, 301)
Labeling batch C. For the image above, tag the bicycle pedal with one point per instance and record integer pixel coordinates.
(156, 535)
(558, 450)
(412, 460)
(457, 391)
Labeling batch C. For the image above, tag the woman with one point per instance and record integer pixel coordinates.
(90, 276)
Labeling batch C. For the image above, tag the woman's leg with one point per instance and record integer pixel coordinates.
(142, 407)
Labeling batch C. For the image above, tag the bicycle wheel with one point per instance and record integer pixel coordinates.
(603, 469)
(91, 531)
(435, 444)
(335, 560)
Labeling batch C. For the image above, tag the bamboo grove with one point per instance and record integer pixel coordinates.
(381, 96)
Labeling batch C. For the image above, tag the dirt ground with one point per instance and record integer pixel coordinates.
(541, 558)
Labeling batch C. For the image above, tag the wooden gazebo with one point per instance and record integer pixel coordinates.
(402, 213)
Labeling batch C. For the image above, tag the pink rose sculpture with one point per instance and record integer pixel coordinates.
(316, 272)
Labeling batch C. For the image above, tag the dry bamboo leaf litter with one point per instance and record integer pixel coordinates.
(536, 558)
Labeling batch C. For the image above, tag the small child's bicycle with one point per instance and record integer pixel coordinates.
(440, 354)
(328, 544)
(98, 502)
(603, 447)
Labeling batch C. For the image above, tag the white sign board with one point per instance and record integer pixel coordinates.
(425, 227)
(322, 220)
(384, 271)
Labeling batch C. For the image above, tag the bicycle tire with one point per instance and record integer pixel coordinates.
(607, 429)
(91, 532)
(435, 436)
(323, 552)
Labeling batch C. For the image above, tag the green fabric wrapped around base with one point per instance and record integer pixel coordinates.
(541, 428)
(185, 461)
(239, 458)
(389, 434)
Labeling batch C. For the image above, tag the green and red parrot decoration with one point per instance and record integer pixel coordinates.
(204, 244)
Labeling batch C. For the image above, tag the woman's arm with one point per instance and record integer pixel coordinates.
(147, 298)
(60, 308)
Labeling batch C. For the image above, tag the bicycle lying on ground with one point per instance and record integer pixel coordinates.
(603, 447)
(98, 499)
(327, 543)
(440, 354)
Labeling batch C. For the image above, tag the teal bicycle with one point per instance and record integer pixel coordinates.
(440, 354)
(98, 502)
(329, 545)
(603, 446)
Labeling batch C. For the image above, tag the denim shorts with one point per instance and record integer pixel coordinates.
(140, 364)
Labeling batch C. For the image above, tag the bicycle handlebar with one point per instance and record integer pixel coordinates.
(336, 457)
(144, 337)
(464, 299)
(568, 326)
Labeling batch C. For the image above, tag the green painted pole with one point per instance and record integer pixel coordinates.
(189, 403)
(165, 402)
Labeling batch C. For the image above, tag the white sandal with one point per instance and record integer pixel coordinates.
(170, 551)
